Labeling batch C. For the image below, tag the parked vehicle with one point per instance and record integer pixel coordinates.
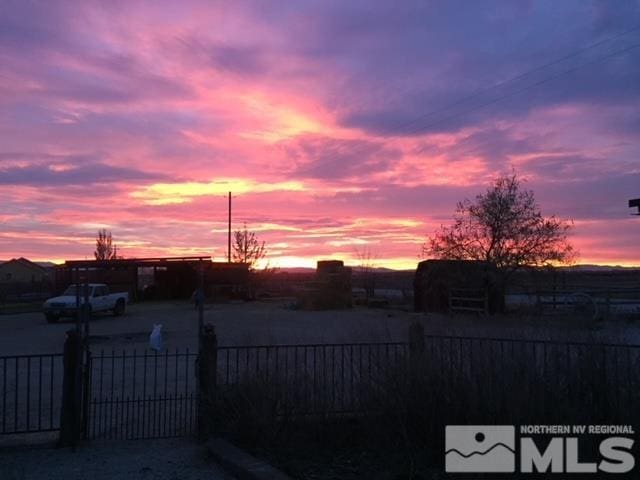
(100, 300)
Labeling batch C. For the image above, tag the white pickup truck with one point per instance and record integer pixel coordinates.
(100, 300)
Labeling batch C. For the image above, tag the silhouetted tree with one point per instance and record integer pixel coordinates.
(367, 271)
(504, 226)
(105, 248)
(247, 248)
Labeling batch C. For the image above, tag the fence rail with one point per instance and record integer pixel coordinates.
(31, 393)
(588, 302)
(469, 300)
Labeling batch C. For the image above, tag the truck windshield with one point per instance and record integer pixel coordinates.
(71, 291)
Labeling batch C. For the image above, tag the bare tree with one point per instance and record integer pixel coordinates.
(247, 248)
(366, 269)
(105, 248)
(504, 226)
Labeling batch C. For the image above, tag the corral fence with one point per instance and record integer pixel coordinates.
(592, 303)
(589, 294)
(424, 383)
(465, 300)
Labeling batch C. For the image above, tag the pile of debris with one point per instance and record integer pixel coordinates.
(330, 288)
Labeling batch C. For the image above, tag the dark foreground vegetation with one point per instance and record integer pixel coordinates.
(380, 410)
(347, 449)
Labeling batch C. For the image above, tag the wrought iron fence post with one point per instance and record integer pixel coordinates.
(207, 378)
(71, 386)
(417, 360)
(416, 344)
(86, 400)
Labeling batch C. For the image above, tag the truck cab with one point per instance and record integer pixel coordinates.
(99, 299)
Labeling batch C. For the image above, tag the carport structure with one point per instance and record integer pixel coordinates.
(161, 277)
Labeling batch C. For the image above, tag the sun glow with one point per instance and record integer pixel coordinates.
(170, 193)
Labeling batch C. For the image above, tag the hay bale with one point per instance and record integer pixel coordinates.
(434, 279)
(329, 266)
(330, 289)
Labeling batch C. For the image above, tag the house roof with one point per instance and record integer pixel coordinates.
(24, 262)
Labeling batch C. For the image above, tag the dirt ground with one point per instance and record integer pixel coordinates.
(236, 324)
(256, 323)
(152, 459)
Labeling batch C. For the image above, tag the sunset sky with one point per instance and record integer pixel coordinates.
(340, 126)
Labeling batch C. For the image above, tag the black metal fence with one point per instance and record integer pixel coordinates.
(504, 381)
(431, 381)
(31, 393)
(138, 395)
(286, 381)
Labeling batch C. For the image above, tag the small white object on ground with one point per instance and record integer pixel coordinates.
(155, 339)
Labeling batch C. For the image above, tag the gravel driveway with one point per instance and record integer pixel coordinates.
(175, 459)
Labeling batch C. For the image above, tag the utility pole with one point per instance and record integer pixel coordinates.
(229, 237)
(200, 302)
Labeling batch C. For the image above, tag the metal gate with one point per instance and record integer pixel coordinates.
(31, 391)
(140, 395)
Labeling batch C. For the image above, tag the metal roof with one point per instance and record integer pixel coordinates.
(135, 262)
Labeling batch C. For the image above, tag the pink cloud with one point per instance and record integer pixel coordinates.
(321, 118)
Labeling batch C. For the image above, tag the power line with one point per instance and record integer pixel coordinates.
(517, 77)
(511, 80)
(528, 87)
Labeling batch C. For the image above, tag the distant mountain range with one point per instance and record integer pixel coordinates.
(355, 269)
(597, 268)
(578, 268)
(583, 268)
